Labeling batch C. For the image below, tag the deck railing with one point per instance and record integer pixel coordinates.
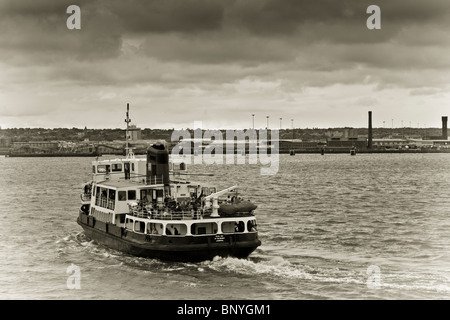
(155, 179)
(165, 215)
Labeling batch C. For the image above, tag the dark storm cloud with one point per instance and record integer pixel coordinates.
(156, 16)
(210, 31)
(213, 42)
(35, 32)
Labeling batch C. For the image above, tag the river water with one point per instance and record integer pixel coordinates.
(371, 226)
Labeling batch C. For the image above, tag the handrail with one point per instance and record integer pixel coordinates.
(158, 214)
(143, 212)
(155, 179)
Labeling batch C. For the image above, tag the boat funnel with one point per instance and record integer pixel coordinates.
(157, 164)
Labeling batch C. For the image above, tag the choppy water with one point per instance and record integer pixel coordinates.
(332, 227)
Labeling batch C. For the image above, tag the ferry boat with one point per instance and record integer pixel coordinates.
(147, 207)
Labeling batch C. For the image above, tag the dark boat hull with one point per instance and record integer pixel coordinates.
(170, 248)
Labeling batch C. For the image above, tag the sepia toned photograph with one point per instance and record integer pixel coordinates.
(224, 155)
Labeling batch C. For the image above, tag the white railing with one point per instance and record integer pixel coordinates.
(155, 180)
(150, 213)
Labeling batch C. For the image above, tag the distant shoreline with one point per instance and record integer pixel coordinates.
(315, 151)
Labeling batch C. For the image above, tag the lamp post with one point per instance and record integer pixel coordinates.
(253, 117)
(267, 122)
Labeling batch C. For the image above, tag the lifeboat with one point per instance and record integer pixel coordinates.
(242, 206)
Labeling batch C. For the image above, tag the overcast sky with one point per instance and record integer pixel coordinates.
(220, 61)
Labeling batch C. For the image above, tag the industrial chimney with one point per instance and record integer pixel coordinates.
(369, 137)
(444, 128)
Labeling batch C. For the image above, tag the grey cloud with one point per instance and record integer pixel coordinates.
(212, 42)
(187, 16)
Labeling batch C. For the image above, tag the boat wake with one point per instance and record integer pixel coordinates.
(302, 274)
(260, 265)
(278, 267)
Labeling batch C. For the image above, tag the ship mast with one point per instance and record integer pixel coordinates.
(129, 152)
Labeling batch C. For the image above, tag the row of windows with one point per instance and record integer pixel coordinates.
(115, 167)
(196, 228)
(125, 195)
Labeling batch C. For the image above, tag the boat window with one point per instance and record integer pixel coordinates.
(228, 227)
(93, 169)
(139, 226)
(204, 228)
(239, 226)
(120, 218)
(205, 191)
(193, 192)
(144, 196)
(154, 228)
(103, 168)
(251, 226)
(122, 195)
(112, 194)
(132, 167)
(129, 224)
(177, 229)
(117, 167)
(157, 195)
(131, 194)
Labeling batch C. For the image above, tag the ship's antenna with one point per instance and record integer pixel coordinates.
(129, 153)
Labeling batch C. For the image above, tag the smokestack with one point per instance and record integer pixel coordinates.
(369, 137)
(444, 128)
(157, 164)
